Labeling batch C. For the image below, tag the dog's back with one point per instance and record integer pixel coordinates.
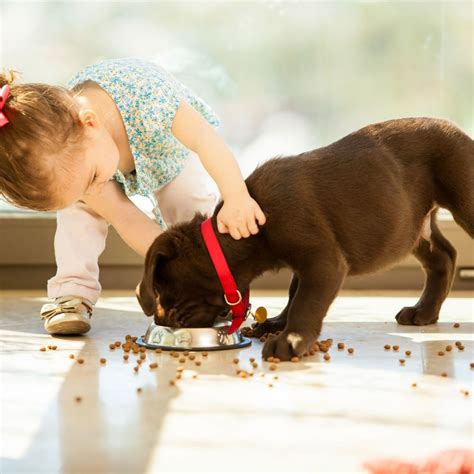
(372, 190)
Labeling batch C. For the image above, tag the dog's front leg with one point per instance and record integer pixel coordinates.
(318, 285)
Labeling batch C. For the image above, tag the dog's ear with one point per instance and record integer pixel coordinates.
(159, 252)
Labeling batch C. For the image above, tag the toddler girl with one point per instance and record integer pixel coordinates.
(122, 127)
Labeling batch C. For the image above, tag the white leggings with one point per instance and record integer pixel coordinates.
(81, 232)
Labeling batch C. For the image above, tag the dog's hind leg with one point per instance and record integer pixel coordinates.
(277, 323)
(439, 262)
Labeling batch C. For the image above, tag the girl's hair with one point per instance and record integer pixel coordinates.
(43, 123)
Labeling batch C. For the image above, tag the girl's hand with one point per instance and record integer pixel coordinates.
(239, 216)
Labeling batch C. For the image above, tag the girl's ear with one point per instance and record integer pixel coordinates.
(159, 252)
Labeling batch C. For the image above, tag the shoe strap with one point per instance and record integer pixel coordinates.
(69, 306)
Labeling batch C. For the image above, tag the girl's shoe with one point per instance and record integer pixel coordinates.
(68, 315)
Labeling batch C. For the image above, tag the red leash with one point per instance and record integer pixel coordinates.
(239, 304)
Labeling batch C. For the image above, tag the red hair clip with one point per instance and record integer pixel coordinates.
(4, 91)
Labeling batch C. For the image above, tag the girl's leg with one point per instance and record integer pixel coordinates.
(79, 240)
(191, 191)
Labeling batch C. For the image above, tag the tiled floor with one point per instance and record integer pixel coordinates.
(318, 416)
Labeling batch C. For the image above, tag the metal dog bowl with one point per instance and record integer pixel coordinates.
(193, 339)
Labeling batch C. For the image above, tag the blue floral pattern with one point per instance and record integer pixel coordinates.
(147, 97)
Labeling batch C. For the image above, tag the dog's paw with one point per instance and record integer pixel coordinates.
(416, 316)
(287, 345)
(271, 325)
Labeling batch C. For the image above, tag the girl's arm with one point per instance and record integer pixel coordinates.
(134, 226)
(240, 213)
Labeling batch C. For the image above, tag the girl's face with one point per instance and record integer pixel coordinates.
(96, 163)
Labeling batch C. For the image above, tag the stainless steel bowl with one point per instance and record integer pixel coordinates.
(193, 339)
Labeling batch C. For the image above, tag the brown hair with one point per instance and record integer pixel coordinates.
(42, 121)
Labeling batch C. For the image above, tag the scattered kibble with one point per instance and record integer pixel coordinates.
(117, 343)
(340, 345)
(198, 363)
(205, 354)
(471, 365)
(254, 365)
(273, 367)
(252, 359)
(408, 353)
(172, 382)
(275, 377)
(139, 361)
(449, 348)
(125, 357)
(111, 347)
(350, 350)
(192, 356)
(440, 353)
(142, 349)
(78, 399)
(195, 376)
(153, 365)
(444, 374)
(402, 361)
(71, 356)
(136, 368)
(270, 385)
(458, 343)
(461, 348)
(139, 390)
(465, 392)
(158, 351)
(235, 361)
(182, 360)
(43, 349)
(186, 353)
(295, 359)
(456, 325)
(243, 374)
(142, 356)
(327, 357)
(103, 361)
(395, 348)
(180, 368)
(177, 376)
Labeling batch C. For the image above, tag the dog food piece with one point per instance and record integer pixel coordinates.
(142, 356)
(402, 361)
(177, 376)
(179, 369)
(172, 382)
(273, 367)
(43, 349)
(78, 399)
(327, 357)
(103, 361)
(182, 360)
(350, 350)
(195, 376)
(135, 351)
(449, 348)
(276, 360)
(128, 337)
(408, 353)
(80, 361)
(269, 359)
(414, 385)
(458, 343)
(205, 354)
(440, 353)
(134, 338)
(340, 345)
(54, 348)
(242, 374)
(139, 390)
(142, 349)
(125, 357)
(465, 392)
(111, 347)
(395, 348)
(153, 365)
(387, 347)
(295, 359)
(461, 348)
(136, 368)
(235, 361)
(186, 353)
(117, 343)
(139, 361)
(176, 355)
(71, 356)
(192, 356)
(126, 349)
(311, 353)
(49, 347)
(254, 365)
(198, 363)
(456, 325)
(471, 365)
(158, 351)
(252, 359)
(444, 374)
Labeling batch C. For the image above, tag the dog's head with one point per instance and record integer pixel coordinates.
(179, 285)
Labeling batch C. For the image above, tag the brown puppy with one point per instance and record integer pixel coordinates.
(356, 206)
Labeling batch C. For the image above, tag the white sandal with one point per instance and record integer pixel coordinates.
(68, 315)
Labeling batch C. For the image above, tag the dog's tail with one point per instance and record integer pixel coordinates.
(454, 175)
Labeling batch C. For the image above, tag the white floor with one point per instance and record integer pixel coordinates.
(318, 416)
